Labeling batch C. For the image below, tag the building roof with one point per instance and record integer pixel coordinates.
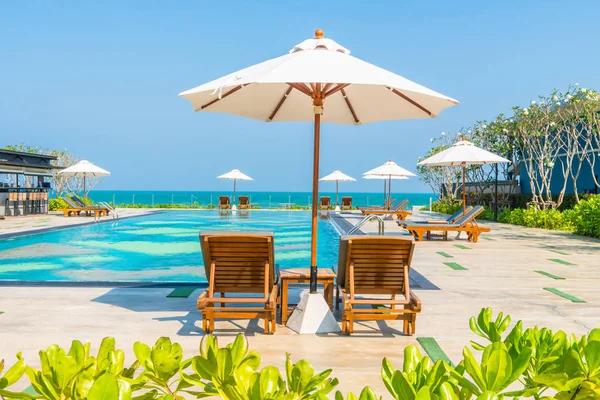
(17, 162)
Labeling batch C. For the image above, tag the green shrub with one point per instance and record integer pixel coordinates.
(445, 207)
(530, 362)
(585, 217)
(56, 204)
(532, 218)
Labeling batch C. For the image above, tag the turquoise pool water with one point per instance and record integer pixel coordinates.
(162, 247)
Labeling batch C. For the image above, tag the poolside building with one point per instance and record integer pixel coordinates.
(24, 182)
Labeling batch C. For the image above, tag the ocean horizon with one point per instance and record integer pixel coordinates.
(263, 199)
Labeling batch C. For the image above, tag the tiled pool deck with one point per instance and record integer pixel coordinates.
(509, 270)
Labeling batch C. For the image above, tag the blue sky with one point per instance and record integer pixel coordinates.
(102, 78)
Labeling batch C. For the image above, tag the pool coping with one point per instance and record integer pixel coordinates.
(63, 227)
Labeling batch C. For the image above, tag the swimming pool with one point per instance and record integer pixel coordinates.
(161, 247)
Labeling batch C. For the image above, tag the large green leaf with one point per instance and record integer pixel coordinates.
(423, 394)
(367, 394)
(270, 382)
(204, 368)
(77, 351)
(107, 345)
(473, 369)
(142, 353)
(239, 349)
(166, 358)
(592, 357)
(65, 368)
(224, 364)
(446, 392)
(519, 365)
(488, 395)
(497, 370)
(14, 373)
(412, 356)
(402, 387)
(105, 387)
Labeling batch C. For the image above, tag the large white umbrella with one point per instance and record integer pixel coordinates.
(337, 176)
(318, 80)
(387, 171)
(385, 180)
(84, 168)
(235, 175)
(462, 153)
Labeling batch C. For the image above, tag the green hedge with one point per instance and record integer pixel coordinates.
(582, 219)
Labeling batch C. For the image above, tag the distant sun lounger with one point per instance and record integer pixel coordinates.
(398, 210)
(346, 203)
(243, 202)
(324, 203)
(372, 266)
(450, 220)
(224, 203)
(78, 200)
(239, 263)
(465, 223)
(386, 206)
(76, 209)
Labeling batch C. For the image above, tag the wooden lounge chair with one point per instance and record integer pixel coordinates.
(398, 210)
(346, 203)
(376, 266)
(324, 203)
(238, 263)
(75, 209)
(224, 203)
(466, 223)
(243, 203)
(450, 220)
(79, 201)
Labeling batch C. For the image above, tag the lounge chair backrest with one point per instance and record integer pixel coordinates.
(378, 263)
(347, 201)
(454, 217)
(469, 216)
(224, 200)
(400, 206)
(325, 200)
(243, 200)
(240, 259)
(78, 200)
(71, 203)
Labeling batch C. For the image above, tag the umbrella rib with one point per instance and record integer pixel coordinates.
(338, 87)
(301, 87)
(411, 101)
(350, 106)
(283, 99)
(232, 91)
(327, 87)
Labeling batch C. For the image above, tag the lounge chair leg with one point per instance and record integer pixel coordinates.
(273, 325)
(337, 297)
(204, 323)
(414, 325)
(406, 327)
(350, 326)
(345, 326)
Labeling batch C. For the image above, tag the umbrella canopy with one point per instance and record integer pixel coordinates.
(463, 153)
(84, 168)
(337, 176)
(390, 170)
(385, 179)
(318, 80)
(235, 175)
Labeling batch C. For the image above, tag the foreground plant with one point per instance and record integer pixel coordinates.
(535, 362)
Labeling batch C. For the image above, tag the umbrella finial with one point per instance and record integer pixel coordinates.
(319, 34)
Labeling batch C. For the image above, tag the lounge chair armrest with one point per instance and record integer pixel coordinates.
(273, 297)
(415, 302)
(203, 300)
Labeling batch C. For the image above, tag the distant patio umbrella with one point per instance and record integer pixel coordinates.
(318, 80)
(337, 176)
(84, 168)
(388, 170)
(385, 180)
(235, 175)
(462, 153)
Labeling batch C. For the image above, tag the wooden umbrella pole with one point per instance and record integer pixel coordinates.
(337, 203)
(390, 193)
(384, 193)
(464, 173)
(84, 192)
(318, 103)
(234, 181)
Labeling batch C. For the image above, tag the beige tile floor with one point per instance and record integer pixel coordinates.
(500, 275)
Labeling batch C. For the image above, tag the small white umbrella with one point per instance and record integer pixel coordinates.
(84, 168)
(385, 179)
(337, 176)
(388, 171)
(235, 175)
(462, 153)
